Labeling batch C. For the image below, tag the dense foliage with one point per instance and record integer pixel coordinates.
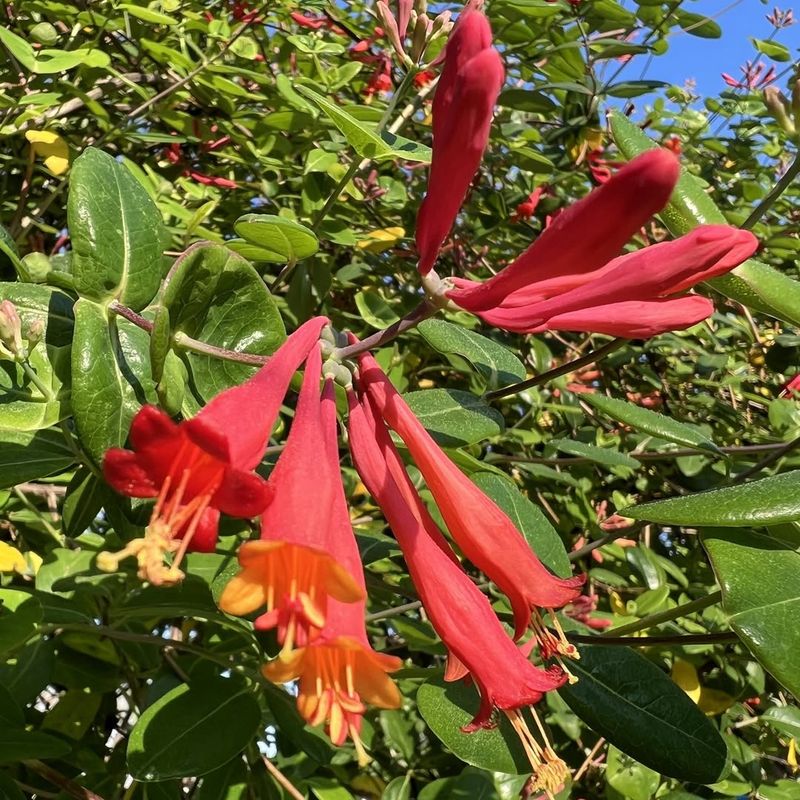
(294, 143)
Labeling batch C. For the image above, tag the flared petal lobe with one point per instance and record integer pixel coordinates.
(482, 530)
(471, 80)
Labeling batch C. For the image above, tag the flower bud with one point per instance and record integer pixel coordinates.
(10, 331)
(421, 7)
(796, 100)
(422, 30)
(37, 267)
(35, 333)
(442, 24)
(778, 107)
(390, 26)
(43, 33)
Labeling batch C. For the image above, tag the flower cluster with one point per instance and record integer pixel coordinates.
(302, 577)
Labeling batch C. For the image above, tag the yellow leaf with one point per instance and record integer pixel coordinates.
(713, 701)
(791, 756)
(11, 560)
(685, 676)
(382, 239)
(617, 606)
(52, 148)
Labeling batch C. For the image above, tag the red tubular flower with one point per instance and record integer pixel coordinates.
(462, 114)
(526, 208)
(298, 562)
(565, 280)
(460, 613)
(202, 466)
(338, 670)
(791, 388)
(481, 529)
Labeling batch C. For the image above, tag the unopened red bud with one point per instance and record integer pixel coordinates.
(390, 25)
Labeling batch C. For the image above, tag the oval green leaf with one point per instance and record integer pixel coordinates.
(455, 418)
(529, 519)
(279, 239)
(496, 363)
(117, 233)
(29, 455)
(637, 708)
(760, 581)
(600, 455)
(447, 707)
(650, 422)
(770, 501)
(193, 729)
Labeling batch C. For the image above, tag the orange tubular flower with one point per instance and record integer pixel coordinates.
(569, 278)
(203, 466)
(296, 566)
(338, 670)
(481, 529)
(460, 613)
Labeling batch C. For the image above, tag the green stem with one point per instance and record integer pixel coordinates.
(356, 164)
(46, 391)
(187, 343)
(665, 616)
(564, 369)
(649, 641)
(422, 312)
(769, 200)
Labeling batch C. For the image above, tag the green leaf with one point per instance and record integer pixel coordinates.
(215, 296)
(17, 745)
(526, 100)
(20, 613)
(770, 501)
(637, 708)
(775, 50)
(147, 14)
(111, 377)
(44, 62)
(754, 284)
(455, 418)
(495, 362)
(24, 407)
(634, 88)
(116, 230)
(228, 782)
(601, 455)
(760, 581)
(364, 139)
(29, 455)
(281, 240)
(374, 309)
(650, 422)
(784, 719)
(11, 715)
(193, 729)
(529, 519)
(629, 778)
(698, 24)
(447, 707)
(73, 714)
(83, 501)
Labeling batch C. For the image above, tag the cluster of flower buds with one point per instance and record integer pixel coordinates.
(411, 30)
(781, 19)
(14, 345)
(785, 112)
(753, 77)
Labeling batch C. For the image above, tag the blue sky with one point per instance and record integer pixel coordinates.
(704, 59)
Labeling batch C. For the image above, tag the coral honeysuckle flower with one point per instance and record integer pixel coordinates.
(791, 388)
(338, 670)
(202, 466)
(487, 537)
(527, 207)
(51, 148)
(476, 643)
(462, 115)
(568, 279)
(297, 566)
